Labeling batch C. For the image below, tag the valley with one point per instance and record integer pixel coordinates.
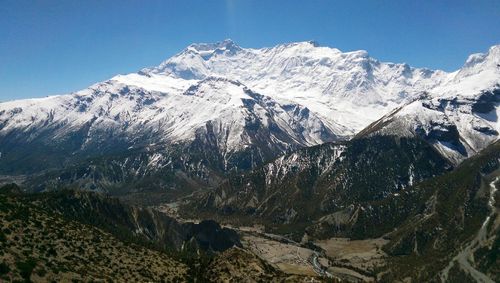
(292, 163)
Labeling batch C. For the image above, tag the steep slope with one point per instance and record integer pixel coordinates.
(40, 246)
(137, 139)
(215, 114)
(143, 225)
(348, 89)
(218, 108)
(339, 185)
(457, 126)
(81, 236)
(416, 141)
(440, 229)
(321, 183)
(454, 235)
(460, 117)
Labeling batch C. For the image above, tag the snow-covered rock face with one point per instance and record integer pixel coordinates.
(229, 105)
(233, 98)
(459, 116)
(221, 115)
(480, 72)
(348, 89)
(458, 126)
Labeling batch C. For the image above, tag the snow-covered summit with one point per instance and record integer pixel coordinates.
(218, 47)
(215, 114)
(481, 71)
(491, 57)
(458, 126)
(351, 89)
(459, 116)
(294, 94)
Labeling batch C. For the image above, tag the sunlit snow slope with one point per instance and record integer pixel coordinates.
(231, 98)
(459, 117)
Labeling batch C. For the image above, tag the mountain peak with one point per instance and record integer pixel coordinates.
(310, 43)
(492, 55)
(313, 43)
(306, 45)
(225, 45)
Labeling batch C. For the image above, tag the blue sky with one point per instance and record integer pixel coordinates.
(54, 47)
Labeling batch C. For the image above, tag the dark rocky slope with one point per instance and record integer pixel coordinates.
(322, 184)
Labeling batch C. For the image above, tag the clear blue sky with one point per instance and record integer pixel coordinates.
(54, 47)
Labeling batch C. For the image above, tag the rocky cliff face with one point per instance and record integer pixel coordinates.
(457, 126)
(144, 224)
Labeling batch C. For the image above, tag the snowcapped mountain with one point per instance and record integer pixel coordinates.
(348, 90)
(460, 117)
(213, 111)
(442, 119)
(243, 105)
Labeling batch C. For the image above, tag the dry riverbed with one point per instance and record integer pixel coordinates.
(353, 259)
(340, 258)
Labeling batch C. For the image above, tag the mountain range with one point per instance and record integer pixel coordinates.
(306, 140)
